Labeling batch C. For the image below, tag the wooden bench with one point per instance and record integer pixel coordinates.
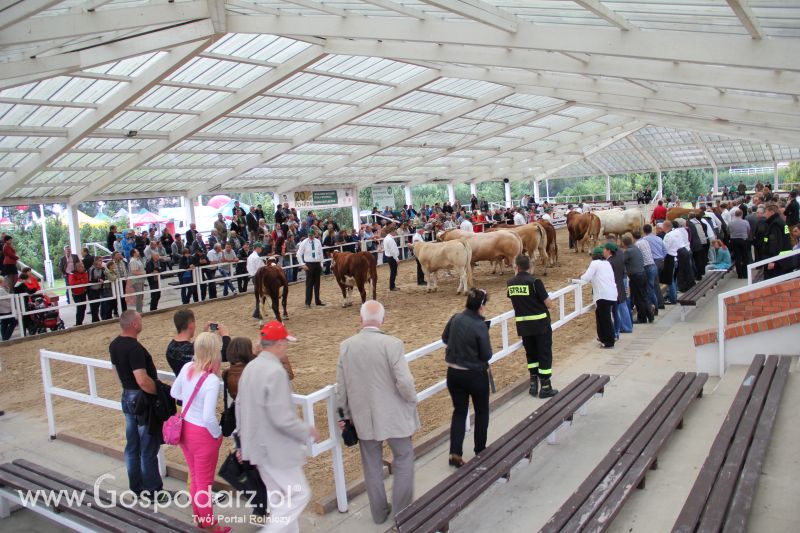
(23, 476)
(723, 492)
(434, 510)
(696, 293)
(601, 495)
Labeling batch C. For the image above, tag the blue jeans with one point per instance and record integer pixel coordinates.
(623, 322)
(652, 284)
(141, 449)
(226, 284)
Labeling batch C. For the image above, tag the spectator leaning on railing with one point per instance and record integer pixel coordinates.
(79, 277)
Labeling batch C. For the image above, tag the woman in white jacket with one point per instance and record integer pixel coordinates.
(201, 435)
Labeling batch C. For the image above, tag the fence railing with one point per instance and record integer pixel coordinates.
(764, 262)
(326, 395)
(722, 316)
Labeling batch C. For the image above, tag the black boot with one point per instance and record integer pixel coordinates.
(547, 390)
(534, 390)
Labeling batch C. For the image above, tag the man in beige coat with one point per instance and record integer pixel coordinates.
(375, 389)
(271, 433)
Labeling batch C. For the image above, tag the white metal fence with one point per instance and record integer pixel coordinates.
(308, 402)
(764, 262)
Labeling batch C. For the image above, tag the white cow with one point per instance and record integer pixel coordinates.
(620, 221)
(435, 256)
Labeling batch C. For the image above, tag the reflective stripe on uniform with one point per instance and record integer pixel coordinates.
(531, 317)
(766, 239)
(543, 372)
(533, 365)
(786, 230)
(785, 252)
(519, 290)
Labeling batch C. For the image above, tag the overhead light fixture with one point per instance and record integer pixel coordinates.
(131, 134)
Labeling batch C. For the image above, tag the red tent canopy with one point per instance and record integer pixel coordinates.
(218, 201)
(149, 218)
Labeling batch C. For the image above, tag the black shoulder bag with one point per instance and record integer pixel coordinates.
(228, 419)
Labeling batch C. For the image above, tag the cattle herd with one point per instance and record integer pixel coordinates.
(459, 251)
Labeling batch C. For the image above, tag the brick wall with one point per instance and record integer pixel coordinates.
(746, 327)
(763, 302)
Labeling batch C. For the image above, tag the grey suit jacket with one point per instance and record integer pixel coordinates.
(271, 432)
(374, 386)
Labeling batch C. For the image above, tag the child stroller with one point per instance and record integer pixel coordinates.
(48, 319)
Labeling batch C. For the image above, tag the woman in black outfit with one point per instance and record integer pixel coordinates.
(467, 355)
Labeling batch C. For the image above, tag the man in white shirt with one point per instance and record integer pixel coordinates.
(466, 225)
(309, 256)
(390, 255)
(418, 237)
(519, 218)
(254, 262)
(674, 240)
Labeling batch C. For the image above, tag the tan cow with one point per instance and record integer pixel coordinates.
(502, 245)
(435, 256)
(677, 212)
(534, 238)
(583, 228)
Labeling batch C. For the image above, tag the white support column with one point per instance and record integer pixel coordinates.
(48, 264)
(536, 196)
(451, 193)
(775, 180)
(74, 229)
(660, 185)
(188, 207)
(407, 191)
(356, 209)
(507, 191)
(608, 187)
(716, 180)
(473, 189)
(547, 188)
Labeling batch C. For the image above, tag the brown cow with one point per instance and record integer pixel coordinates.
(497, 245)
(353, 270)
(552, 244)
(268, 282)
(582, 228)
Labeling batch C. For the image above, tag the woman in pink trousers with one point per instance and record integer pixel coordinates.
(201, 435)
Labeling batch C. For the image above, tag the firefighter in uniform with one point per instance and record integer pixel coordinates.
(776, 242)
(531, 304)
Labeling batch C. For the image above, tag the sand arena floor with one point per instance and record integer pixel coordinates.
(411, 314)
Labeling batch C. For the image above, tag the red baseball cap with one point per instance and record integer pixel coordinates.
(275, 331)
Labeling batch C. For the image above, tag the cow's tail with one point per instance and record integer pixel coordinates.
(468, 249)
(542, 245)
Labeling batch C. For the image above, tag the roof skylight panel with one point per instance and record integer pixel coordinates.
(15, 159)
(393, 117)
(289, 108)
(360, 132)
(433, 103)
(464, 88)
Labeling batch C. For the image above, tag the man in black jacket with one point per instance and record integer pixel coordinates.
(776, 241)
(252, 225)
(155, 266)
(531, 309)
(792, 210)
(191, 233)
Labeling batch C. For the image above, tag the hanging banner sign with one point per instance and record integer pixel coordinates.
(382, 197)
(318, 199)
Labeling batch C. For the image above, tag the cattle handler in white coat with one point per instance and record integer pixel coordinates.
(254, 262)
(271, 433)
(376, 391)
